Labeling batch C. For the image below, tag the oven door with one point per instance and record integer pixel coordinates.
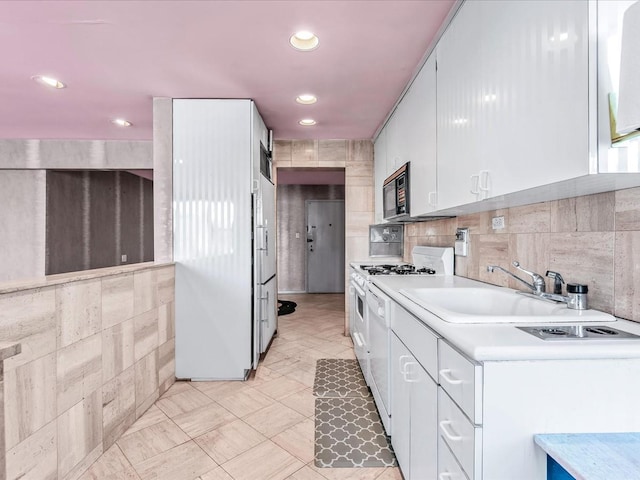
(378, 307)
(358, 327)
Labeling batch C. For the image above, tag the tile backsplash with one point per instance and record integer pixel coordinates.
(593, 239)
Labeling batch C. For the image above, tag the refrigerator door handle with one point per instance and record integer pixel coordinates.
(266, 309)
(265, 245)
(266, 241)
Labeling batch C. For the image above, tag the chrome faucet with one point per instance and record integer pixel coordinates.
(575, 299)
(537, 285)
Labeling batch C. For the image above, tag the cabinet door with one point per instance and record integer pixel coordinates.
(380, 171)
(533, 95)
(397, 139)
(460, 126)
(400, 405)
(424, 423)
(421, 139)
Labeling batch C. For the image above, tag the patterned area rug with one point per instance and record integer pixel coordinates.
(339, 377)
(349, 433)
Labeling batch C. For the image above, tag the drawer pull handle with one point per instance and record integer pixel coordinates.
(356, 337)
(451, 436)
(402, 358)
(407, 372)
(446, 374)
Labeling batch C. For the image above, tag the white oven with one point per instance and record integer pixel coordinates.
(358, 323)
(378, 309)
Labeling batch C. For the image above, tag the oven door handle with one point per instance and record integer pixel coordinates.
(358, 290)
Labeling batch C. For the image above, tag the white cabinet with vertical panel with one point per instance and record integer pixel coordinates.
(459, 126)
(415, 396)
(513, 98)
(379, 171)
(410, 136)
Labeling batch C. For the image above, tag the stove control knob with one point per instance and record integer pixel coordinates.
(381, 311)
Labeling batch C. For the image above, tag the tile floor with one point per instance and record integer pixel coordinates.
(255, 430)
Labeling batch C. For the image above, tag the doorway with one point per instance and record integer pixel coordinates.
(325, 246)
(294, 186)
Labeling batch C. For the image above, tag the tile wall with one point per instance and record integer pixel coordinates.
(356, 157)
(96, 353)
(593, 239)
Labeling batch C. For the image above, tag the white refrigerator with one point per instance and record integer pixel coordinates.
(266, 228)
(224, 245)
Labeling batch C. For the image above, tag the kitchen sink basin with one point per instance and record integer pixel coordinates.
(495, 305)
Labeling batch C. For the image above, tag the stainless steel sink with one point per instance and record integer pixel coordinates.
(578, 332)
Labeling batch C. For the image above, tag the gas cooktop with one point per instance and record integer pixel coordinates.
(405, 269)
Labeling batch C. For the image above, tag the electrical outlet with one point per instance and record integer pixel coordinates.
(123, 258)
(297, 234)
(497, 223)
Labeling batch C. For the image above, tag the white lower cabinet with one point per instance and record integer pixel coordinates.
(414, 365)
(414, 413)
(463, 437)
(448, 466)
(478, 420)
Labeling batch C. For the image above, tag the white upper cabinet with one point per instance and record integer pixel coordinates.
(410, 136)
(459, 125)
(513, 98)
(380, 171)
(535, 92)
(421, 140)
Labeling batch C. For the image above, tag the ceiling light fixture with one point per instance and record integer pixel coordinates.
(121, 122)
(48, 81)
(306, 99)
(304, 40)
(307, 122)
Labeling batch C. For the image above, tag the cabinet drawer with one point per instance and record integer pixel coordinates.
(448, 466)
(462, 379)
(463, 438)
(420, 339)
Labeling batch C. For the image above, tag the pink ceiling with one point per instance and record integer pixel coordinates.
(116, 56)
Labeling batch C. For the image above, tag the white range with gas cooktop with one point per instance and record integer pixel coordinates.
(467, 398)
(370, 317)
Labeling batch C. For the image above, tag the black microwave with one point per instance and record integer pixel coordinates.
(395, 194)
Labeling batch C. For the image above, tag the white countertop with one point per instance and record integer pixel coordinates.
(492, 341)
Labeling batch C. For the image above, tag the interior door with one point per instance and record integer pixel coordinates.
(325, 246)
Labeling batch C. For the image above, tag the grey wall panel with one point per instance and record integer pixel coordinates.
(130, 217)
(291, 199)
(65, 222)
(102, 219)
(95, 217)
(147, 221)
(22, 224)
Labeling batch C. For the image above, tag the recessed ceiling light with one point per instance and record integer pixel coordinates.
(307, 122)
(306, 99)
(304, 40)
(121, 122)
(48, 81)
